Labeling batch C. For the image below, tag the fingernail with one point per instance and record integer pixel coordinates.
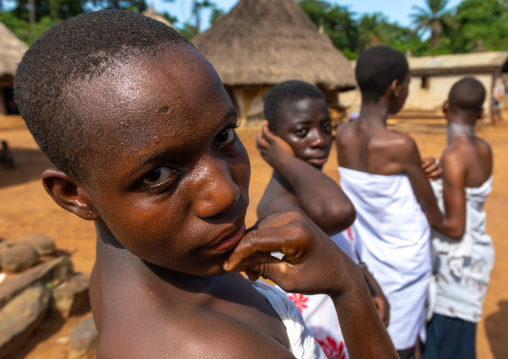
(225, 265)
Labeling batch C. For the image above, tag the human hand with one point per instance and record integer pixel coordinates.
(431, 168)
(383, 308)
(272, 148)
(311, 263)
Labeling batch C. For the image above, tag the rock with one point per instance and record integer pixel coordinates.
(17, 256)
(84, 340)
(53, 271)
(21, 316)
(42, 244)
(71, 296)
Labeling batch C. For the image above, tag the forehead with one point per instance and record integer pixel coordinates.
(304, 110)
(176, 94)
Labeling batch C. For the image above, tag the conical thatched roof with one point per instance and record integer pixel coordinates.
(11, 51)
(264, 42)
(150, 12)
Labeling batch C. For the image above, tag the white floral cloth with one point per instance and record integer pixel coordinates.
(462, 268)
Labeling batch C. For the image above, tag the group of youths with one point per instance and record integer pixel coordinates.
(141, 134)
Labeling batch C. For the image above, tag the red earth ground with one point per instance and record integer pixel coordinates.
(26, 209)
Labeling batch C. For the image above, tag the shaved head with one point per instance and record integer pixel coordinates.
(468, 94)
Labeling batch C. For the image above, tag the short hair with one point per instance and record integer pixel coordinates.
(376, 69)
(81, 48)
(467, 94)
(285, 93)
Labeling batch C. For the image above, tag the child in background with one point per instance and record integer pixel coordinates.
(463, 260)
(142, 136)
(381, 173)
(296, 140)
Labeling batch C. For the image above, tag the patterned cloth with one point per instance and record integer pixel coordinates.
(303, 345)
(319, 312)
(393, 240)
(462, 268)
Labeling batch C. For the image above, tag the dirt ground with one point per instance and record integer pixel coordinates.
(26, 209)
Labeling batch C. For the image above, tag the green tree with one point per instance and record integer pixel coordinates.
(434, 18)
(372, 30)
(337, 22)
(480, 20)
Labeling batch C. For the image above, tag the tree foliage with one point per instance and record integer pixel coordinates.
(457, 30)
(434, 18)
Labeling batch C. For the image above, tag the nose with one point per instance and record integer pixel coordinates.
(216, 191)
(318, 139)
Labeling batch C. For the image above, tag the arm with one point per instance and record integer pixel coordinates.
(380, 301)
(454, 195)
(411, 165)
(316, 193)
(312, 264)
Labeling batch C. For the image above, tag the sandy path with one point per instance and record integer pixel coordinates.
(26, 209)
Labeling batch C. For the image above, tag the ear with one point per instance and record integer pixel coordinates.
(481, 113)
(68, 193)
(394, 86)
(446, 106)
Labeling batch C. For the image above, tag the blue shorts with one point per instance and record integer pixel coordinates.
(449, 338)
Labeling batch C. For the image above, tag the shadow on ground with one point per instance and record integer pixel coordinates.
(29, 165)
(495, 325)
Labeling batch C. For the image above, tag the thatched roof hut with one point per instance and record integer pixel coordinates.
(11, 52)
(260, 43)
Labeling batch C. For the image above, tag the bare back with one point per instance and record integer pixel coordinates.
(475, 155)
(371, 148)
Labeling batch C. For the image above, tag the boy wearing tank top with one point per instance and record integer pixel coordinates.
(464, 258)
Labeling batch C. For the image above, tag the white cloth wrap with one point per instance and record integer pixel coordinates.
(393, 240)
(303, 345)
(462, 267)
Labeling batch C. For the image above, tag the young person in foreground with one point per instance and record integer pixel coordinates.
(142, 136)
(296, 140)
(463, 259)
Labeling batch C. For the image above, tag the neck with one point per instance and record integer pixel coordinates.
(374, 113)
(460, 130)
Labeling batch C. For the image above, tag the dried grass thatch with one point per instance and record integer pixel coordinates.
(264, 42)
(11, 51)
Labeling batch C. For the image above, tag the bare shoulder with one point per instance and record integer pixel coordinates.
(200, 335)
(276, 199)
(396, 146)
(455, 155)
(342, 131)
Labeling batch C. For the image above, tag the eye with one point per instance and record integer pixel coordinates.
(301, 132)
(226, 136)
(327, 127)
(157, 176)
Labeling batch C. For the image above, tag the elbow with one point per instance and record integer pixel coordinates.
(455, 233)
(451, 230)
(341, 219)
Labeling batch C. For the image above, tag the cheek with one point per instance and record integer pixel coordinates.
(240, 168)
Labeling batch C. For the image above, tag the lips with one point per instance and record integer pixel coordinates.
(317, 161)
(228, 241)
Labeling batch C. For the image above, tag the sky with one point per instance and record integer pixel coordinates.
(396, 10)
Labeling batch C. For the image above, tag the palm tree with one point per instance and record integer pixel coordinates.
(433, 18)
(371, 29)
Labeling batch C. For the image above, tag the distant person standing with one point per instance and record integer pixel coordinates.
(464, 258)
(381, 173)
(498, 93)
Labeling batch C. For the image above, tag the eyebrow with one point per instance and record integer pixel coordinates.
(163, 152)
